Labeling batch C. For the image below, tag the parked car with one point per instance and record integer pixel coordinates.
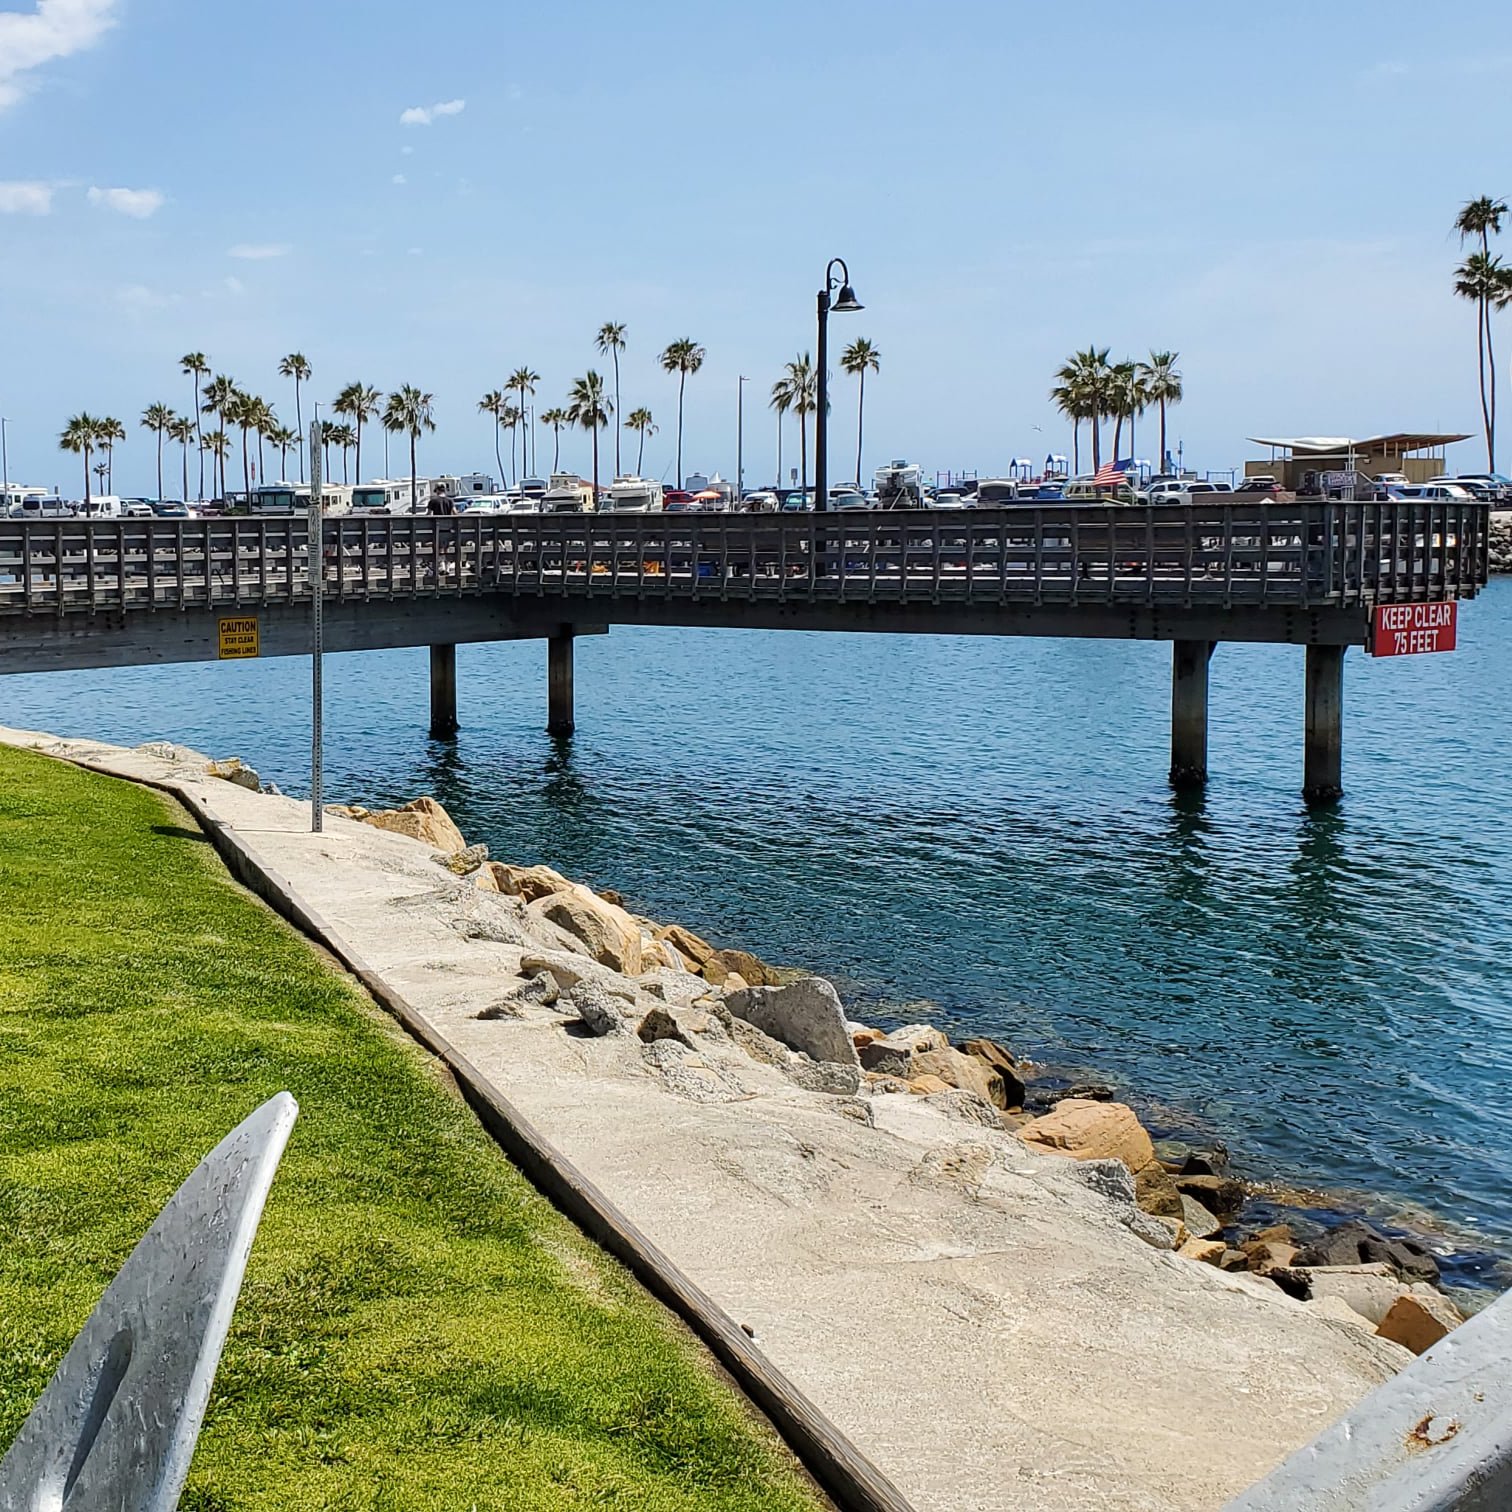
(1182, 490)
(848, 497)
(761, 501)
(171, 509)
(1435, 493)
(1499, 485)
(42, 508)
(1477, 487)
(797, 501)
(1260, 483)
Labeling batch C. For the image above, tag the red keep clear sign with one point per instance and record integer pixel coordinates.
(1408, 629)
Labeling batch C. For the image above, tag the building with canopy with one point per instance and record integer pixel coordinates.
(1419, 455)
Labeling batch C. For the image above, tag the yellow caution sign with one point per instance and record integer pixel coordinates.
(238, 638)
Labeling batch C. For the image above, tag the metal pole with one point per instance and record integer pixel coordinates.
(740, 439)
(316, 575)
(4, 466)
(821, 426)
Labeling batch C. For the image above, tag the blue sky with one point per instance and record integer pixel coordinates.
(1266, 189)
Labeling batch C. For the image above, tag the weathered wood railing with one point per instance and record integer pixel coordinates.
(1237, 555)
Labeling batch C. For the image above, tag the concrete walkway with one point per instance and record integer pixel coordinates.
(983, 1325)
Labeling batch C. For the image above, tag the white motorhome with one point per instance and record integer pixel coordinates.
(567, 494)
(35, 504)
(635, 495)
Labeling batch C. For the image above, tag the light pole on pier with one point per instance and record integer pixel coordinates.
(740, 439)
(4, 467)
(844, 304)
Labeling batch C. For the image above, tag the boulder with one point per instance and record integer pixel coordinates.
(1213, 1162)
(719, 965)
(1174, 1226)
(528, 882)
(233, 769)
(1270, 1256)
(864, 1034)
(420, 819)
(1365, 1289)
(956, 1069)
(1418, 1319)
(601, 1013)
(656, 954)
(1201, 1223)
(1204, 1251)
(1356, 1242)
(1156, 1193)
(1002, 1065)
(464, 862)
(1234, 1260)
(927, 1086)
(893, 1054)
(605, 932)
(485, 881)
(805, 1015)
(686, 943)
(734, 983)
(569, 970)
(1089, 1092)
(1092, 1131)
(1220, 1195)
(658, 1024)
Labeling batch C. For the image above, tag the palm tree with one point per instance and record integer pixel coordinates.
(1480, 218)
(183, 428)
(408, 412)
(297, 367)
(325, 431)
(80, 436)
(859, 358)
(611, 339)
(111, 431)
(556, 419)
(102, 472)
(796, 390)
(682, 357)
(1126, 400)
(243, 411)
(1089, 375)
(494, 403)
(157, 418)
(360, 402)
(523, 381)
(590, 407)
(218, 444)
(1162, 386)
(640, 421)
(220, 394)
(344, 438)
(283, 440)
(195, 364)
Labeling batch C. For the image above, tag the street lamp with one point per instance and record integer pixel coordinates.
(740, 439)
(844, 304)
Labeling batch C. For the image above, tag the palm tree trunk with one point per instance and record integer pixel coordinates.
(1096, 443)
(1076, 445)
(803, 454)
(618, 412)
(860, 418)
(185, 449)
(246, 466)
(556, 448)
(160, 464)
(86, 480)
(595, 467)
(199, 436)
(498, 456)
(413, 474)
(1162, 435)
(779, 451)
(1480, 346)
(357, 464)
(299, 426)
(681, 381)
(640, 455)
(1491, 369)
(262, 461)
(1117, 436)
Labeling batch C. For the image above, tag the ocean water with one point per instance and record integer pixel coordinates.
(979, 832)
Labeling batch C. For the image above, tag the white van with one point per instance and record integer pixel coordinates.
(113, 507)
(34, 506)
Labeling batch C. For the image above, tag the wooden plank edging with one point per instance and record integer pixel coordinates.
(853, 1482)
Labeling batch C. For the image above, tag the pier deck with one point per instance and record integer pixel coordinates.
(77, 593)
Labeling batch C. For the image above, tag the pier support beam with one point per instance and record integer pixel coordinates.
(559, 719)
(1323, 753)
(1189, 711)
(443, 691)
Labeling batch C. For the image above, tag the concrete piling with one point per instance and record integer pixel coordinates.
(1323, 737)
(443, 692)
(1189, 712)
(559, 716)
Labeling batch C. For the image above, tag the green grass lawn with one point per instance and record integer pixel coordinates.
(418, 1329)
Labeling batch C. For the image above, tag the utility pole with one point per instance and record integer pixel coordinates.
(316, 577)
(740, 439)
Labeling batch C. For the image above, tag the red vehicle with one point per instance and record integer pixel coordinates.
(679, 500)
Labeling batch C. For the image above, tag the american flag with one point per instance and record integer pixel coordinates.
(1109, 475)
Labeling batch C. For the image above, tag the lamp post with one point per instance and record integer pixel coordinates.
(740, 439)
(845, 302)
(4, 469)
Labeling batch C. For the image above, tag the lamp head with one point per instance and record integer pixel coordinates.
(847, 301)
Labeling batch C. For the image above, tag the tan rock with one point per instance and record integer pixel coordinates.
(1088, 1130)
(1204, 1251)
(1201, 1222)
(485, 881)
(1418, 1319)
(465, 862)
(1265, 1258)
(1156, 1193)
(734, 982)
(604, 931)
(686, 943)
(963, 1071)
(864, 1035)
(528, 882)
(420, 819)
(659, 954)
(1179, 1234)
(922, 1086)
(1003, 1066)
(719, 965)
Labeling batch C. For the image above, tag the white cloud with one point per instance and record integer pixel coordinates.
(399, 178)
(137, 203)
(259, 251)
(54, 29)
(21, 198)
(138, 299)
(423, 115)
(234, 285)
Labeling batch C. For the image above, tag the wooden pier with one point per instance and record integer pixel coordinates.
(77, 593)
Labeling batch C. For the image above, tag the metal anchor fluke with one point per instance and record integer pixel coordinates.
(116, 1427)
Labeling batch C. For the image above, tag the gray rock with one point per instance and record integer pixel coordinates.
(822, 1076)
(600, 1012)
(1357, 1242)
(464, 862)
(686, 1074)
(568, 970)
(658, 1024)
(805, 1015)
(1154, 1233)
(1111, 1178)
(968, 1107)
(1200, 1223)
(506, 1007)
(886, 1059)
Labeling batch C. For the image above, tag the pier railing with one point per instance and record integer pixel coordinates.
(1230, 555)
